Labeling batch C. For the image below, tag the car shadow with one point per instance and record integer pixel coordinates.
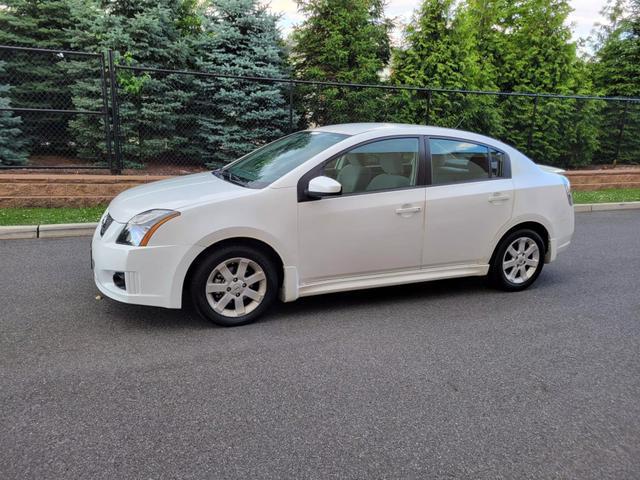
(144, 317)
(385, 295)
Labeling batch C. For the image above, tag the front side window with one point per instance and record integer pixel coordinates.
(455, 161)
(379, 165)
(267, 164)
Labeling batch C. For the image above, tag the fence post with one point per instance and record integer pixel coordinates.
(533, 124)
(115, 115)
(105, 113)
(291, 86)
(428, 117)
(623, 120)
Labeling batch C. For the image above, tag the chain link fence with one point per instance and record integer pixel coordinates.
(77, 110)
(46, 96)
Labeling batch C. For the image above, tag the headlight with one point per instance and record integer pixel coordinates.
(140, 228)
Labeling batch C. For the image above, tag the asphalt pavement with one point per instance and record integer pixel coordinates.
(447, 379)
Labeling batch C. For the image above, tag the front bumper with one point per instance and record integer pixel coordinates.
(153, 275)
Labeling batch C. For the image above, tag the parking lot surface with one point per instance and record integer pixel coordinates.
(436, 380)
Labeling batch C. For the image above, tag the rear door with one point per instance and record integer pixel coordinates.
(470, 198)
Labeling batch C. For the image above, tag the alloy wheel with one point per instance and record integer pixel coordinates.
(521, 260)
(236, 287)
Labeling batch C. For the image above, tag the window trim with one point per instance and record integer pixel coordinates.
(421, 180)
(506, 167)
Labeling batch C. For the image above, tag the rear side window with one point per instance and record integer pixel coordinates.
(498, 163)
(455, 161)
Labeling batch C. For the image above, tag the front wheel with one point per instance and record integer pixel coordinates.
(518, 260)
(234, 286)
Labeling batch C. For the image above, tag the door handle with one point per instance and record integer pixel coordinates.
(499, 197)
(404, 210)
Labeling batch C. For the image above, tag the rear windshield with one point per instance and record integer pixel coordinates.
(267, 164)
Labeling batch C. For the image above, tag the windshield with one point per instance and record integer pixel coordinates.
(267, 164)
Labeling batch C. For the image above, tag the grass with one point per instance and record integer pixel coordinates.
(38, 216)
(614, 195)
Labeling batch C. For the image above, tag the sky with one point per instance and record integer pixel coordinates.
(585, 14)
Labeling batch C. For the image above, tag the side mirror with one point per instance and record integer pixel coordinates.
(323, 187)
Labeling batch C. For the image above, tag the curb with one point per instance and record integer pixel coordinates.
(66, 230)
(48, 231)
(602, 207)
(86, 229)
(22, 231)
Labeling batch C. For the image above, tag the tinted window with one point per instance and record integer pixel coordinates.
(381, 165)
(267, 164)
(457, 161)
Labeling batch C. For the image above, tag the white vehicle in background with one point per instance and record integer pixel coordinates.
(335, 208)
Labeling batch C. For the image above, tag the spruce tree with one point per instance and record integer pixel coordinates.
(38, 80)
(235, 116)
(342, 41)
(154, 108)
(12, 142)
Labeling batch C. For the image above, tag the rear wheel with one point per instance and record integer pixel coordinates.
(234, 286)
(518, 260)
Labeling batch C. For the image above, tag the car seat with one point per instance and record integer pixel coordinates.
(353, 177)
(391, 178)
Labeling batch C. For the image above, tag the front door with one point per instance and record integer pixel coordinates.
(376, 225)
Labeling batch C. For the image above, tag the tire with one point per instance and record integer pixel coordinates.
(224, 295)
(523, 250)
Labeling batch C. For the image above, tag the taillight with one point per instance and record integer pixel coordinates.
(567, 188)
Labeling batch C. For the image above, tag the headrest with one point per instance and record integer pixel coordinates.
(391, 165)
(353, 160)
(480, 161)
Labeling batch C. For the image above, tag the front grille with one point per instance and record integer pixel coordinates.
(105, 224)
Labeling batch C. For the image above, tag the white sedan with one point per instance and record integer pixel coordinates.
(330, 209)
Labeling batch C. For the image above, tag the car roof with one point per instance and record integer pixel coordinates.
(358, 128)
(352, 129)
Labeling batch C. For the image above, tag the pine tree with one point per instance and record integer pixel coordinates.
(38, 80)
(342, 41)
(12, 142)
(235, 116)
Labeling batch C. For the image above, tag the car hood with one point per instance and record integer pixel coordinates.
(173, 194)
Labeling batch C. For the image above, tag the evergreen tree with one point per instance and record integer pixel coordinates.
(235, 116)
(521, 46)
(12, 143)
(440, 53)
(616, 72)
(153, 107)
(526, 46)
(38, 80)
(534, 53)
(342, 41)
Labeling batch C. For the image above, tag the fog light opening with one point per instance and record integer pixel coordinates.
(118, 280)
